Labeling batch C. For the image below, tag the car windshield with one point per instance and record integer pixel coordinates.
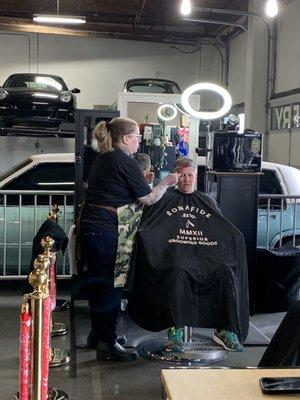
(152, 86)
(53, 83)
(15, 168)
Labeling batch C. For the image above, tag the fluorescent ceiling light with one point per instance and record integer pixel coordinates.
(164, 115)
(58, 19)
(271, 8)
(185, 7)
(206, 114)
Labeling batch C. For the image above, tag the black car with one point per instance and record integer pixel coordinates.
(36, 99)
(151, 85)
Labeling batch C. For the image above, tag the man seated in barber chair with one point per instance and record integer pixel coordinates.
(189, 267)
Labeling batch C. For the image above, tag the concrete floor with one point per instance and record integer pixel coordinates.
(86, 379)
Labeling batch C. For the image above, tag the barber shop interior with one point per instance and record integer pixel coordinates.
(149, 199)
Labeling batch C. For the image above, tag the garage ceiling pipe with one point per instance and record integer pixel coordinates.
(215, 21)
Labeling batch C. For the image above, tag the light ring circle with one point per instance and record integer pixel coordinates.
(205, 115)
(164, 106)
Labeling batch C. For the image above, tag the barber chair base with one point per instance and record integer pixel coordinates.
(59, 357)
(62, 305)
(59, 329)
(200, 352)
(53, 394)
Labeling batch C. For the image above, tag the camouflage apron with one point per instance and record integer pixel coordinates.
(128, 221)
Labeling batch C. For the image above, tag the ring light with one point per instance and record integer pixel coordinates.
(206, 114)
(181, 109)
(163, 107)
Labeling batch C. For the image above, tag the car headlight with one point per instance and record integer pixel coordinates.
(3, 94)
(65, 96)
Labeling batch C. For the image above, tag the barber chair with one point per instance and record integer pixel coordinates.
(197, 351)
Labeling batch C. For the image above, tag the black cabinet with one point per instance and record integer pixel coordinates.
(85, 121)
(237, 195)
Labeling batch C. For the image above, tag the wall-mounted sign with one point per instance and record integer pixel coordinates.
(286, 116)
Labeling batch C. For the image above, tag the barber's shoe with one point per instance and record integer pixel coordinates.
(115, 352)
(228, 340)
(175, 344)
(93, 340)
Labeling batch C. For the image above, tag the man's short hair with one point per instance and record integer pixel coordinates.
(184, 162)
(143, 160)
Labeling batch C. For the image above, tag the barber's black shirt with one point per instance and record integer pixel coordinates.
(115, 180)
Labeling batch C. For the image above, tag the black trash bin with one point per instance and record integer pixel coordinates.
(277, 279)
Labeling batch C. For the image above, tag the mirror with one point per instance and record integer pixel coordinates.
(161, 137)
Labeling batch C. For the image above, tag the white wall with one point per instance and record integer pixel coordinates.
(288, 54)
(98, 66)
(237, 68)
(210, 71)
(288, 47)
(15, 52)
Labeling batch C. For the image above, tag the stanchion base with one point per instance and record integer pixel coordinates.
(59, 357)
(59, 329)
(195, 353)
(57, 394)
(53, 394)
(62, 305)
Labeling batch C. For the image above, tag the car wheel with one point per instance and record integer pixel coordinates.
(288, 243)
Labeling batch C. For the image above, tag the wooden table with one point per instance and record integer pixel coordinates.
(221, 384)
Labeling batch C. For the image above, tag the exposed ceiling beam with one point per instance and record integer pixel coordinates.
(101, 30)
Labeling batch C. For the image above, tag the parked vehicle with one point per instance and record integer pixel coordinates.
(49, 176)
(283, 218)
(36, 99)
(151, 85)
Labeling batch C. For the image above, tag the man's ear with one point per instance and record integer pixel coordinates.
(125, 139)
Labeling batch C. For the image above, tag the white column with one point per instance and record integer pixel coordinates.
(256, 70)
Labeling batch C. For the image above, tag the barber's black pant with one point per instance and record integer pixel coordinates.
(284, 348)
(100, 247)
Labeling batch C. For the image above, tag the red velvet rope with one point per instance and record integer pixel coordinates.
(45, 346)
(25, 356)
(52, 276)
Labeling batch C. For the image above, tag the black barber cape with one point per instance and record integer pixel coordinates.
(189, 267)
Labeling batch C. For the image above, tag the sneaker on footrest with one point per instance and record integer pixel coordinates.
(175, 344)
(228, 340)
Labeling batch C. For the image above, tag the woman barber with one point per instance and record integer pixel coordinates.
(115, 181)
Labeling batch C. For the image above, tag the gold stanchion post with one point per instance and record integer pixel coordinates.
(35, 336)
(58, 356)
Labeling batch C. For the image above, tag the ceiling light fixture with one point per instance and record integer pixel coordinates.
(58, 19)
(185, 7)
(271, 8)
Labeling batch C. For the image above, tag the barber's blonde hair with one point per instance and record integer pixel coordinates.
(107, 136)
